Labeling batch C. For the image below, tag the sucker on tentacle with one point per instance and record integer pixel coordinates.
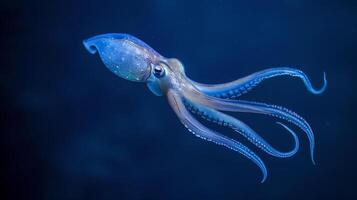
(241, 86)
(132, 59)
(203, 132)
(242, 128)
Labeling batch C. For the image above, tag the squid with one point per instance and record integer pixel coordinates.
(130, 58)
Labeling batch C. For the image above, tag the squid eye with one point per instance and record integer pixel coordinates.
(159, 71)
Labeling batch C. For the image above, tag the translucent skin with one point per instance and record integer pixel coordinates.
(132, 59)
(124, 55)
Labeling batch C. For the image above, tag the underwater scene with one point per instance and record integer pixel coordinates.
(169, 99)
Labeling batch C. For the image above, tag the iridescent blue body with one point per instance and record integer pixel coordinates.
(132, 59)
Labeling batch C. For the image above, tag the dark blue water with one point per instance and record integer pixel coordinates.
(70, 129)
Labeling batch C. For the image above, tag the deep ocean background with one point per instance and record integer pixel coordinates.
(70, 129)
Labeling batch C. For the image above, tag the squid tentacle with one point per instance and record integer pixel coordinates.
(203, 132)
(243, 129)
(254, 107)
(238, 87)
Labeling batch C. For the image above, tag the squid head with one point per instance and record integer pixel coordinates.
(124, 55)
(131, 59)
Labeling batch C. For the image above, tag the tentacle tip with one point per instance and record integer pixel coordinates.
(264, 178)
(265, 175)
(324, 86)
(313, 161)
(325, 83)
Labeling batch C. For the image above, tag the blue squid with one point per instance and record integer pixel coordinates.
(132, 59)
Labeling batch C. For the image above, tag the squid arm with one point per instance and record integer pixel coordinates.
(254, 107)
(203, 132)
(240, 127)
(238, 87)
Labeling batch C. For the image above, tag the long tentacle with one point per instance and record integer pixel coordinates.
(242, 128)
(203, 132)
(254, 107)
(236, 88)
